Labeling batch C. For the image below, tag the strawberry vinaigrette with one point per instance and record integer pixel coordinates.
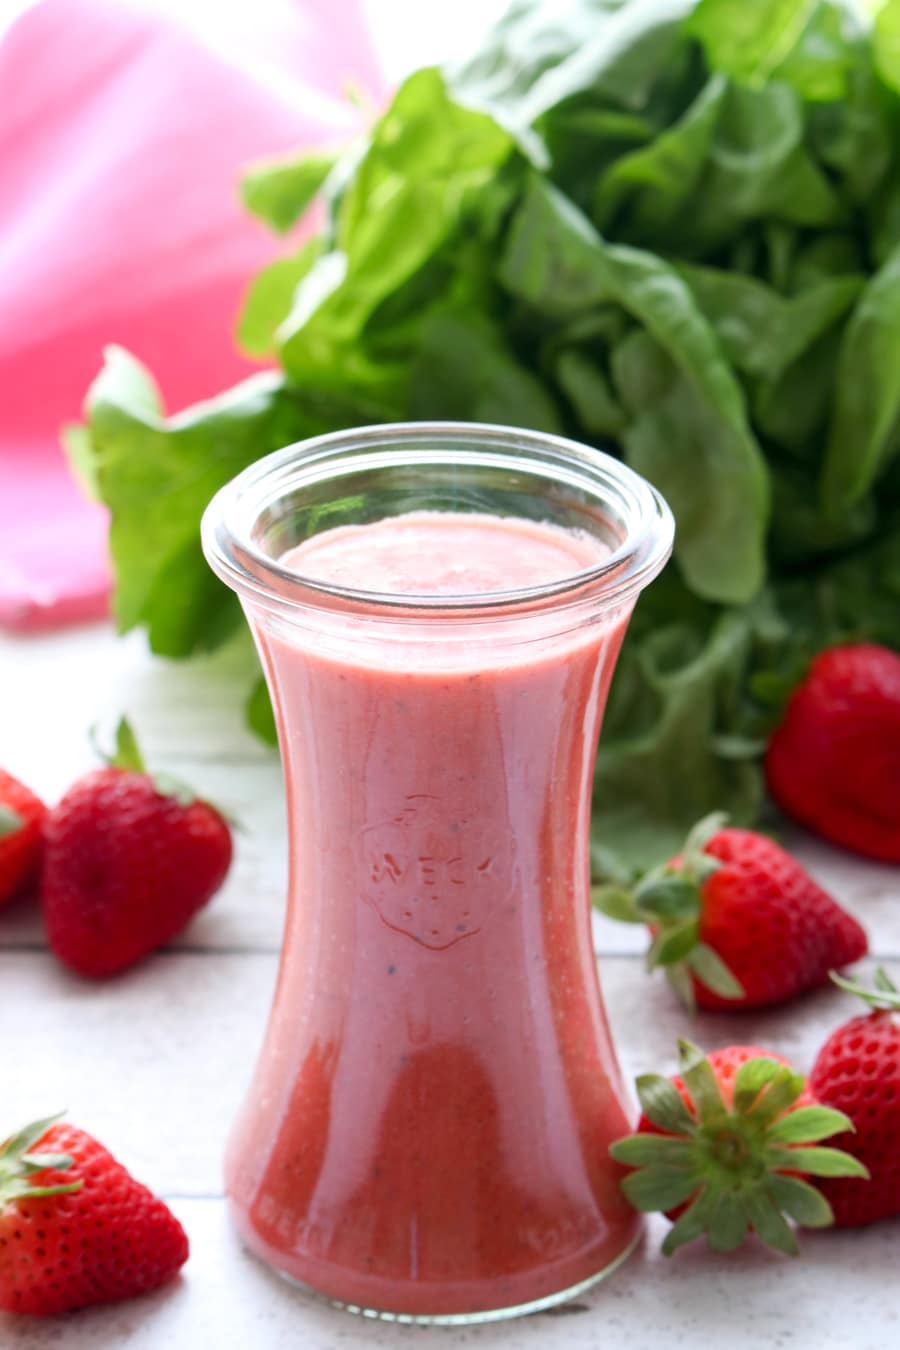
(427, 1133)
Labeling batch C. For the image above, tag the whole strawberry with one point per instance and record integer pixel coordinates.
(21, 817)
(723, 1150)
(75, 1227)
(736, 921)
(858, 1072)
(128, 861)
(834, 762)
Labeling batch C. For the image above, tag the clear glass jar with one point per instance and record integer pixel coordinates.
(426, 1135)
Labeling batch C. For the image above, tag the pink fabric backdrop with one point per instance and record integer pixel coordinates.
(121, 136)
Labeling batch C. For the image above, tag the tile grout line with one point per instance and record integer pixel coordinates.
(41, 949)
(205, 1197)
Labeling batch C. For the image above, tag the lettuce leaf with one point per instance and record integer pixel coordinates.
(668, 228)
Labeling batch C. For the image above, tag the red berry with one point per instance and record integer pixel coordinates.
(21, 817)
(109, 1239)
(737, 922)
(125, 869)
(775, 928)
(834, 762)
(858, 1072)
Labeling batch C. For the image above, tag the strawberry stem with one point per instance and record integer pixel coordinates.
(733, 1165)
(127, 756)
(20, 1168)
(669, 900)
(10, 822)
(885, 996)
(127, 753)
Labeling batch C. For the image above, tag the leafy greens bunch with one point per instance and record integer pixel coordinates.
(670, 228)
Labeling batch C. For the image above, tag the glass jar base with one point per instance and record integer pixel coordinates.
(467, 1319)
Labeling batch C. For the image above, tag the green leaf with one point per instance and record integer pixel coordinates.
(769, 1223)
(692, 1223)
(10, 822)
(887, 42)
(588, 388)
(657, 768)
(744, 166)
(701, 1082)
(18, 1167)
(667, 898)
(820, 65)
(40, 1162)
(157, 476)
(430, 161)
(661, 1103)
(712, 971)
(672, 945)
(800, 1201)
(644, 192)
(853, 135)
(762, 333)
(658, 1188)
(728, 1224)
(270, 299)
(819, 1162)
(669, 415)
(746, 41)
(808, 1124)
(700, 835)
(76, 442)
(466, 371)
(761, 169)
(680, 981)
(23, 1140)
(280, 189)
(532, 64)
(674, 382)
(884, 983)
(802, 531)
(750, 1080)
(641, 1150)
(616, 903)
(865, 427)
(127, 753)
(24, 1190)
(260, 714)
(778, 1096)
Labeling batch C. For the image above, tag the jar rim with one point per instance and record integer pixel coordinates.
(227, 527)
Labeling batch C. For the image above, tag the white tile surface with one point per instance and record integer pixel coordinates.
(835, 1297)
(155, 1062)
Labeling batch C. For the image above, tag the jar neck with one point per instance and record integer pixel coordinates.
(377, 472)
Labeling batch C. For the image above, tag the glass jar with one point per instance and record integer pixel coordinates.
(426, 1135)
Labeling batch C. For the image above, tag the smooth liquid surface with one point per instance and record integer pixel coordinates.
(435, 553)
(429, 1124)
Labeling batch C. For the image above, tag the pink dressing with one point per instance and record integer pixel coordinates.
(428, 1129)
(445, 553)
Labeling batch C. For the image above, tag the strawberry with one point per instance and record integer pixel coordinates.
(834, 762)
(21, 818)
(724, 1148)
(128, 861)
(75, 1227)
(736, 921)
(858, 1071)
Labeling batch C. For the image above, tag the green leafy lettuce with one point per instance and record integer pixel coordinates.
(670, 228)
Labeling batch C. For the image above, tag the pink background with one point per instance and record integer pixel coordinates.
(122, 136)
